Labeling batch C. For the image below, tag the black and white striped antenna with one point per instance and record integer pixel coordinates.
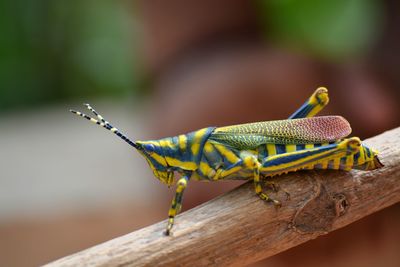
(105, 124)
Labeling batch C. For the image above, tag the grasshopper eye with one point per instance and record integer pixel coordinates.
(149, 148)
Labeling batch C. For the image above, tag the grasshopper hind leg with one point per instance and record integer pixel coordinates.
(314, 104)
(292, 161)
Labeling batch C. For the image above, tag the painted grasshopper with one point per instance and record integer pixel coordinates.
(253, 151)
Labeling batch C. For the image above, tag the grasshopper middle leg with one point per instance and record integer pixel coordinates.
(251, 162)
(247, 162)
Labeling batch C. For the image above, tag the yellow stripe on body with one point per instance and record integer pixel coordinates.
(195, 149)
(159, 159)
(196, 141)
(182, 139)
(311, 166)
(167, 144)
(227, 153)
(336, 163)
(324, 164)
(309, 146)
(186, 165)
(271, 149)
(206, 169)
(349, 162)
(208, 148)
(290, 148)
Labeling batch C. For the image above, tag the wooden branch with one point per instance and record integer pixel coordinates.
(238, 228)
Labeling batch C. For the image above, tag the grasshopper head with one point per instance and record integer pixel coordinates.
(153, 153)
(367, 159)
(179, 153)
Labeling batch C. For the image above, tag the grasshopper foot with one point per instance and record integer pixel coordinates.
(266, 198)
(169, 226)
(277, 203)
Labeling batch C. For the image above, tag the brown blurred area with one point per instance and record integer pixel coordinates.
(212, 63)
(216, 68)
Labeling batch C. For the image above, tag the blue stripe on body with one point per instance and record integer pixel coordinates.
(214, 159)
(174, 151)
(280, 149)
(300, 147)
(156, 165)
(356, 157)
(368, 151)
(262, 152)
(228, 164)
(205, 175)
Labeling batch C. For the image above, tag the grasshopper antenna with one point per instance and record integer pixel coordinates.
(105, 124)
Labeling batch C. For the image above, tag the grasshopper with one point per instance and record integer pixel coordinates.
(253, 151)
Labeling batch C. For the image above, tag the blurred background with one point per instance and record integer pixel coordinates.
(160, 68)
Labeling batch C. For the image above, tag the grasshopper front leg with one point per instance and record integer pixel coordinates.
(176, 204)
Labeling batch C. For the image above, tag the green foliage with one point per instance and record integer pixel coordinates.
(330, 29)
(52, 50)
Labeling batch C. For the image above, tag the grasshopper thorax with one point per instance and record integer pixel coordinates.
(180, 153)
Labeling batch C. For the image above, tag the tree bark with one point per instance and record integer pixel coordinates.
(238, 228)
